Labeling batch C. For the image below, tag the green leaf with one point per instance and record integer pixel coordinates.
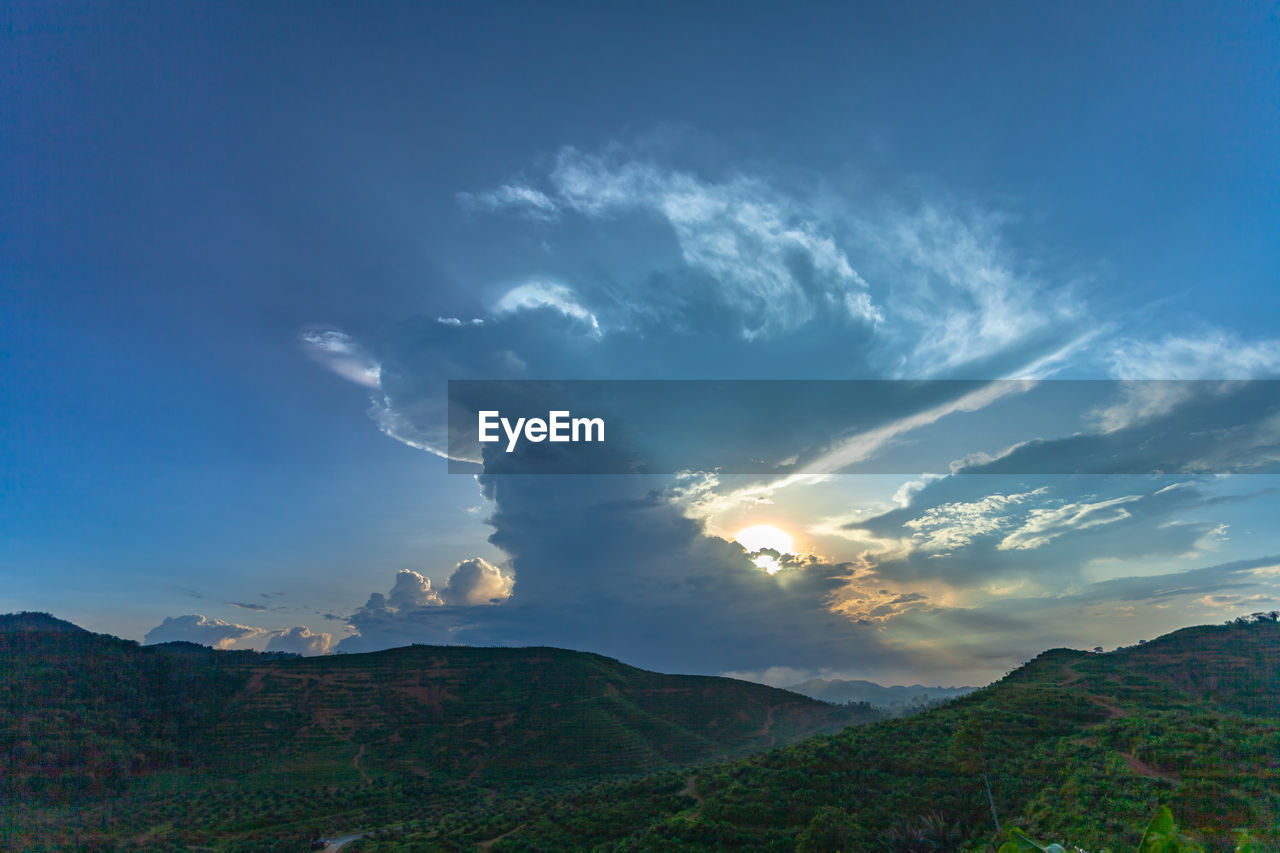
(1023, 843)
(1159, 831)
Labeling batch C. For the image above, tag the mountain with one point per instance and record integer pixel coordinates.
(886, 698)
(109, 746)
(1078, 748)
(38, 623)
(96, 731)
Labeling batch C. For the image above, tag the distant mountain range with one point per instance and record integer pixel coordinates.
(896, 698)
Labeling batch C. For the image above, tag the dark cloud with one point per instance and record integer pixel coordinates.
(605, 562)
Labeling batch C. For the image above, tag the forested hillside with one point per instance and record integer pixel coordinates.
(1075, 746)
(105, 741)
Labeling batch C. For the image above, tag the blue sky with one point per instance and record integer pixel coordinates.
(244, 247)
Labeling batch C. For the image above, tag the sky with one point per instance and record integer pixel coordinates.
(244, 248)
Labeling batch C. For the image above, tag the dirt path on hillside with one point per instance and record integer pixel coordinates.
(487, 845)
(767, 728)
(355, 762)
(1143, 769)
(690, 789)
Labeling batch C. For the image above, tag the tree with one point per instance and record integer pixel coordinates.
(831, 830)
(967, 751)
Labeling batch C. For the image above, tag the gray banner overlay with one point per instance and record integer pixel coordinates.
(805, 427)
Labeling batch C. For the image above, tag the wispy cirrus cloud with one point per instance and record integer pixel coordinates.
(531, 202)
(1045, 524)
(768, 255)
(961, 298)
(1209, 354)
(1186, 368)
(343, 355)
(541, 293)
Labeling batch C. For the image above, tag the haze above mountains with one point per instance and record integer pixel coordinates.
(894, 697)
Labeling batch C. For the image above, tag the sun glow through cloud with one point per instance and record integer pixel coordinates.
(759, 537)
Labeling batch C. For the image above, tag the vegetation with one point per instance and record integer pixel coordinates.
(102, 740)
(109, 746)
(1074, 745)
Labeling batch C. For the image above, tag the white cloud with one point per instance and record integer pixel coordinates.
(414, 612)
(1043, 524)
(961, 295)
(768, 256)
(477, 581)
(1213, 354)
(1233, 600)
(540, 293)
(955, 525)
(531, 202)
(472, 582)
(340, 353)
(195, 628)
(301, 641)
(409, 591)
(865, 445)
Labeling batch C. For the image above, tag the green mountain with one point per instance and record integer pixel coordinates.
(107, 745)
(105, 742)
(1077, 747)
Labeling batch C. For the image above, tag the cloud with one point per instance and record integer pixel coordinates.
(731, 275)
(414, 612)
(1212, 354)
(477, 581)
(1152, 370)
(531, 202)
(1142, 402)
(1161, 588)
(940, 529)
(301, 641)
(973, 532)
(1043, 525)
(609, 559)
(341, 353)
(1236, 601)
(537, 294)
(766, 255)
(660, 271)
(195, 628)
(962, 298)
(410, 590)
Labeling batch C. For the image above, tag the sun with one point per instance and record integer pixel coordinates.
(760, 536)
